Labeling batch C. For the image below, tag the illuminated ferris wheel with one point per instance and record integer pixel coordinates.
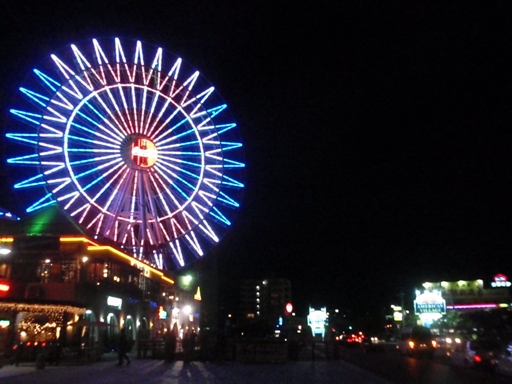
(136, 145)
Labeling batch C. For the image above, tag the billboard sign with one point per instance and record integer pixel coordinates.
(429, 303)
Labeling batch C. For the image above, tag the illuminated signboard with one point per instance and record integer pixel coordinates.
(162, 313)
(500, 281)
(429, 302)
(114, 302)
(317, 320)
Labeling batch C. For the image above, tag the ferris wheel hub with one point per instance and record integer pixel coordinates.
(139, 152)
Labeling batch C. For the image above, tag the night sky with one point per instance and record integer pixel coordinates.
(377, 137)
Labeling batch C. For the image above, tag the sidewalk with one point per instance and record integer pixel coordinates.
(150, 371)
(9, 370)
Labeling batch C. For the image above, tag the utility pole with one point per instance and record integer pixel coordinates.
(401, 294)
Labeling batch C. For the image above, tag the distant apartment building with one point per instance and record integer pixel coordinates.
(265, 298)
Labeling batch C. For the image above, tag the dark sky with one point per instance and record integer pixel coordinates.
(377, 137)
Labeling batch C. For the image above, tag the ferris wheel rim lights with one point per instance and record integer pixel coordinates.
(146, 156)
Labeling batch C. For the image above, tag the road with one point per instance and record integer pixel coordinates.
(399, 369)
(352, 366)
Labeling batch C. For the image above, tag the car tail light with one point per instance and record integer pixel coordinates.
(477, 359)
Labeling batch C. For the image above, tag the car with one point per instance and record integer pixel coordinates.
(479, 353)
(352, 339)
(372, 344)
(416, 341)
(503, 361)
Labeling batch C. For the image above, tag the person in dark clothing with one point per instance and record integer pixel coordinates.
(122, 348)
(170, 346)
(18, 354)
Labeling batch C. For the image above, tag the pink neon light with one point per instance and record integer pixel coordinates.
(472, 306)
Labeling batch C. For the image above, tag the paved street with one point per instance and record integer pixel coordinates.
(157, 371)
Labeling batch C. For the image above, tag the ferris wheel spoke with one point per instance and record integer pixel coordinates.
(156, 65)
(41, 203)
(176, 248)
(161, 190)
(160, 140)
(163, 129)
(47, 81)
(122, 129)
(62, 184)
(205, 227)
(120, 175)
(113, 131)
(181, 167)
(104, 178)
(143, 109)
(169, 193)
(96, 170)
(163, 109)
(118, 110)
(79, 140)
(94, 159)
(133, 199)
(120, 91)
(150, 112)
(172, 74)
(134, 107)
(174, 179)
(155, 212)
(34, 181)
(71, 201)
(114, 203)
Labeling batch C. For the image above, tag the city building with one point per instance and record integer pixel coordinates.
(472, 294)
(59, 285)
(265, 299)
(441, 300)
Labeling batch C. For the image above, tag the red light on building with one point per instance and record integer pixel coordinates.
(289, 308)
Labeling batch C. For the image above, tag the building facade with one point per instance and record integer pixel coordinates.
(59, 286)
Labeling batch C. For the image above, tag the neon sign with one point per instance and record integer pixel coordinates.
(162, 313)
(500, 281)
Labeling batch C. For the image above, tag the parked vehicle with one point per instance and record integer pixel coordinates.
(480, 353)
(417, 341)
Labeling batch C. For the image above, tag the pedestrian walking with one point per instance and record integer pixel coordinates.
(122, 348)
